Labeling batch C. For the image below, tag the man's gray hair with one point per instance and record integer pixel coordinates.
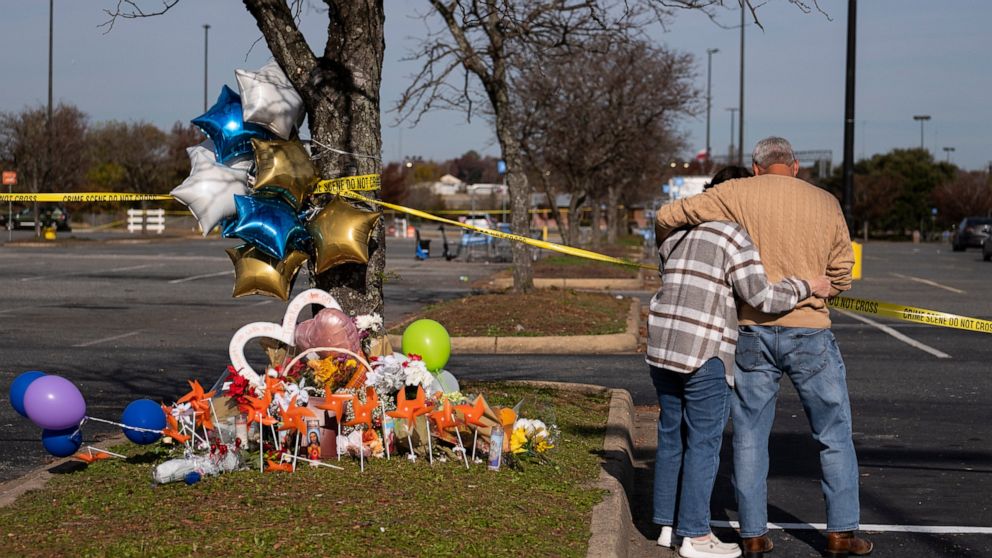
(770, 151)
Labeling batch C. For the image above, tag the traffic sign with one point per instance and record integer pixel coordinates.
(9, 178)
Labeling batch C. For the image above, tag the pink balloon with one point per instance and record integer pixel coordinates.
(329, 328)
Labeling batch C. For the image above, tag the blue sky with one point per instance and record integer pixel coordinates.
(914, 57)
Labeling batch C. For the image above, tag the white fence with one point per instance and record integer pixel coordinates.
(146, 220)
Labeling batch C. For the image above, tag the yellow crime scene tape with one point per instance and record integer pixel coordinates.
(350, 186)
(500, 234)
(910, 314)
(362, 183)
(84, 197)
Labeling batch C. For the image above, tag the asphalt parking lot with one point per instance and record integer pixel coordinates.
(126, 320)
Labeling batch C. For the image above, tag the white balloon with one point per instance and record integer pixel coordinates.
(209, 190)
(206, 148)
(269, 99)
(444, 382)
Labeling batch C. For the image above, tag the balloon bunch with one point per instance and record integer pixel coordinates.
(56, 405)
(255, 180)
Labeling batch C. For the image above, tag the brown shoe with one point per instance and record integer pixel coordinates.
(756, 547)
(844, 543)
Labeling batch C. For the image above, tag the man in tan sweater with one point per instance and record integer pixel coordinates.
(799, 231)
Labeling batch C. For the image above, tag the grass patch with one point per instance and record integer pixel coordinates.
(563, 265)
(540, 312)
(396, 508)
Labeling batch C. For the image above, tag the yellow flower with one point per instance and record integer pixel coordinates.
(323, 370)
(517, 440)
(543, 446)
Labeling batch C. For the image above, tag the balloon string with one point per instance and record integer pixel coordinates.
(339, 152)
(135, 428)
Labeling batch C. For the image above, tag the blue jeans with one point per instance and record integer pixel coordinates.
(813, 363)
(690, 432)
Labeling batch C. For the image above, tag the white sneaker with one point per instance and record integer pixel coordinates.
(710, 548)
(665, 538)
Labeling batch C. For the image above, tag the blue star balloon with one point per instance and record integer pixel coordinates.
(224, 125)
(269, 224)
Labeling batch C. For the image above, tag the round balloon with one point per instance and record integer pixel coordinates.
(54, 403)
(19, 386)
(62, 443)
(329, 328)
(143, 413)
(430, 340)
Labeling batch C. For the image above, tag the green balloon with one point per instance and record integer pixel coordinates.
(430, 340)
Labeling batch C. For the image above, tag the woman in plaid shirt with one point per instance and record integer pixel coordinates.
(692, 335)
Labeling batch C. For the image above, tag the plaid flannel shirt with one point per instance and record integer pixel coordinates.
(693, 317)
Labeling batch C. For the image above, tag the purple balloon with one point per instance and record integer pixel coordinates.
(54, 403)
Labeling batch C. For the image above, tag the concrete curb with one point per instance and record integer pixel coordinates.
(552, 344)
(611, 519)
(589, 284)
(36, 478)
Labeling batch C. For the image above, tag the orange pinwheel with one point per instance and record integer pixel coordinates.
(272, 466)
(293, 417)
(195, 393)
(335, 402)
(274, 385)
(473, 413)
(91, 456)
(363, 411)
(258, 410)
(172, 427)
(443, 418)
(404, 409)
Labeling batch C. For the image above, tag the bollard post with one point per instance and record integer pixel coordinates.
(856, 270)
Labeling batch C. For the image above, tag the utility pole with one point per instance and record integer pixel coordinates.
(921, 118)
(852, 19)
(709, 97)
(48, 122)
(730, 155)
(206, 42)
(740, 102)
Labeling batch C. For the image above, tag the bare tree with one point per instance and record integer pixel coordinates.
(601, 121)
(968, 194)
(60, 164)
(340, 89)
(486, 43)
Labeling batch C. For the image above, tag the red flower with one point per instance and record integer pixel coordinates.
(238, 390)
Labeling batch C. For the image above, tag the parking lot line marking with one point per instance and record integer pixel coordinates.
(105, 339)
(263, 303)
(204, 276)
(928, 282)
(907, 340)
(128, 268)
(877, 528)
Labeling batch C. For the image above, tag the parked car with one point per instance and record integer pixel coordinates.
(49, 215)
(971, 233)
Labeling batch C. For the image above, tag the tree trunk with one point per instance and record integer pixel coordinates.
(597, 216)
(516, 179)
(574, 205)
(613, 214)
(341, 92)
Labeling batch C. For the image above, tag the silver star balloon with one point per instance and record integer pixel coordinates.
(210, 189)
(268, 99)
(206, 147)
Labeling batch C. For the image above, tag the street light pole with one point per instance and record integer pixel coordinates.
(852, 19)
(948, 151)
(921, 118)
(740, 101)
(48, 121)
(730, 156)
(709, 97)
(206, 42)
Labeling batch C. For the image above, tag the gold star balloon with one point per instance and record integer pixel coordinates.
(340, 233)
(255, 272)
(284, 168)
